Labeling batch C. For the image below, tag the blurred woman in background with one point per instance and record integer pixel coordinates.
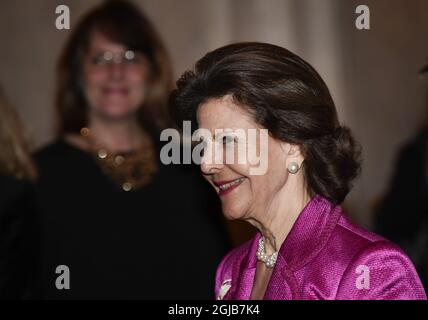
(17, 220)
(125, 225)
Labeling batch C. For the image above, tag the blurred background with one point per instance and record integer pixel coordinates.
(372, 74)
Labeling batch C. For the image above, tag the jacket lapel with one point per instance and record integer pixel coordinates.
(243, 273)
(279, 284)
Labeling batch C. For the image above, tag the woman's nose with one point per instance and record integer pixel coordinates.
(210, 163)
(211, 168)
(116, 71)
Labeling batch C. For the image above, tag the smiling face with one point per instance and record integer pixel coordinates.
(242, 194)
(113, 88)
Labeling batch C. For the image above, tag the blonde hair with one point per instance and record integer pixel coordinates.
(15, 159)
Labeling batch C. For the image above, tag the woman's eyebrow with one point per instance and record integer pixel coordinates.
(224, 133)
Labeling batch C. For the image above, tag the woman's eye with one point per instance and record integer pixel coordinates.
(228, 139)
(131, 57)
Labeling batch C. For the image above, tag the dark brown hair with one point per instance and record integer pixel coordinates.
(284, 94)
(123, 23)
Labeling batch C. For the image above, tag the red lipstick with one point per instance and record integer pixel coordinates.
(226, 187)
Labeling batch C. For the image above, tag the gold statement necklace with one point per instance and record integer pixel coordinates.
(129, 170)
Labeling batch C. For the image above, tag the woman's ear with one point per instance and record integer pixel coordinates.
(295, 154)
(292, 153)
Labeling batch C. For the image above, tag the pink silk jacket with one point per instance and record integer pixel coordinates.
(325, 256)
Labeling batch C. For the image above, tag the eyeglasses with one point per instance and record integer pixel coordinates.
(129, 57)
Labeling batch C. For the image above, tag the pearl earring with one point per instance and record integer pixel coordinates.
(293, 167)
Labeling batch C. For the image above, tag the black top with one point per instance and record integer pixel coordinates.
(18, 239)
(162, 241)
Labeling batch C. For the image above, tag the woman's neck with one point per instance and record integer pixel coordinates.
(116, 136)
(275, 222)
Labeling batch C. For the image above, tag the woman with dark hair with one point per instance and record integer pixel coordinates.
(18, 232)
(120, 221)
(305, 248)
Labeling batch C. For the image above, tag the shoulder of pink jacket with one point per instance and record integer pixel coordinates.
(380, 271)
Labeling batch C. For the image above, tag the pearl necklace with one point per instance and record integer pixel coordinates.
(269, 261)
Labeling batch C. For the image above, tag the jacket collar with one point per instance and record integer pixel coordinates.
(310, 232)
(307, 237)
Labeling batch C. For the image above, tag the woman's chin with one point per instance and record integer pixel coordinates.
(233, 213)
(116, 113)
